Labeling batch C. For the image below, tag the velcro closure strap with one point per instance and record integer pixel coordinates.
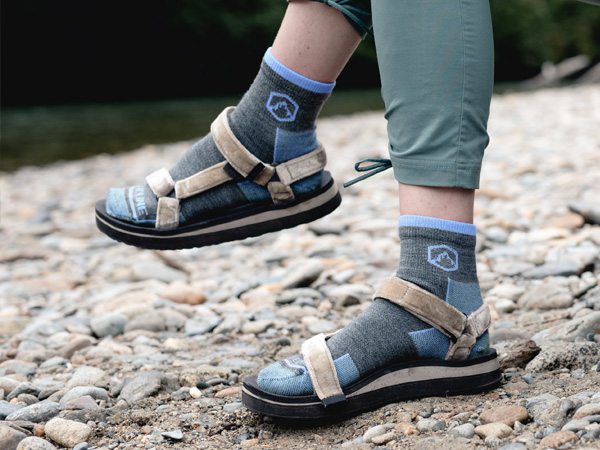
(280, 192)
(322, 370)
(479, 321)
(167, 214)
(160, 182)
(235, 153)
(298, 168)
(424, 305)
(202, 181)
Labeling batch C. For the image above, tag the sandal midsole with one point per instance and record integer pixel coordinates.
(263, 216)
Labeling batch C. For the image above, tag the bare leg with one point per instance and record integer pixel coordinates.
(315, 40)
(440, 202)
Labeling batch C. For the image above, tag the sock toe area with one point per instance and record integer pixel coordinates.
(116, 204)
(290, 376)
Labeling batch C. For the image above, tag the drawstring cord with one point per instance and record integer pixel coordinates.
(379, 165)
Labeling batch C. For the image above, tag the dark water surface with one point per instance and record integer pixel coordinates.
(45, 134)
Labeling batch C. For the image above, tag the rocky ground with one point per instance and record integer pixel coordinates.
(105, 346)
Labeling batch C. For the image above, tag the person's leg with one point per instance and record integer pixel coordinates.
(274, 121)
(435, 60)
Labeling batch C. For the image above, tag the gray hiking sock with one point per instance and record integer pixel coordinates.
(275, 121)
(437, 255)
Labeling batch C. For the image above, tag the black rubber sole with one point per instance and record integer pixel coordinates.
(248, 221)
(404, 381)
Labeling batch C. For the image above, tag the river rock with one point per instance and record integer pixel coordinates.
(67, 433)
(505, 414)
(565, 355)
(10, 438)
(86, 376)
(35, 443)
(498, 430)
(145, 385)
(559, 438)
(81, 391)
(36, 413)
(570, 330)
(546, 296)
(108, 324)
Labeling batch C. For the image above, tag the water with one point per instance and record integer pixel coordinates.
(45, 134)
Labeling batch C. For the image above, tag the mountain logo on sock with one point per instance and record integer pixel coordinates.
(443, 257)
(282, 107)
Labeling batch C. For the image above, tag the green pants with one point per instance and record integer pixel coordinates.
(436, 61)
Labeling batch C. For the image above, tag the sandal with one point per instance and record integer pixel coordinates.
(284, 210)
(402, 381)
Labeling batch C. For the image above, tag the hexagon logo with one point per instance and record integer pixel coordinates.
(282, 107)
(443, 257)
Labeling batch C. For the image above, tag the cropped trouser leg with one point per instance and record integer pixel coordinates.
(436, 64)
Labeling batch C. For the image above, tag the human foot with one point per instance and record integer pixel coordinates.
(430, 316)
(261, 169)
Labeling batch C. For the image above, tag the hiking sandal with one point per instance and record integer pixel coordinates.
(402, 381)
(285, 210)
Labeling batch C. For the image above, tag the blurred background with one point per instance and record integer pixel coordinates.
(81, 78)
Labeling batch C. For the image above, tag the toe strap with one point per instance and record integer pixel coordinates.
(321, 370)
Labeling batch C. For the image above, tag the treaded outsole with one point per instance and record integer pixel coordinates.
(360, 397)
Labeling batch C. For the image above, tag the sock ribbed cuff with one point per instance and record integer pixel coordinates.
(440, 224)
(296, 78)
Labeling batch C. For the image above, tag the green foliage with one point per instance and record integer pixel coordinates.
(529, 32)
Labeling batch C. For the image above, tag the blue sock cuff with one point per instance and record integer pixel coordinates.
(440, 224)
(296, 78)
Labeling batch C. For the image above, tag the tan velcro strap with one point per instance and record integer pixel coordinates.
(426, 306)
(298, 168)
(160, 182)
(202, 181)
(322, 370)
(479, 321)
(235, 153)
(167, 214)
(280, 192)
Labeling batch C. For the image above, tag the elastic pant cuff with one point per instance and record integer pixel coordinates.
(436, 174)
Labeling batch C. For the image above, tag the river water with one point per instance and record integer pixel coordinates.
(42, 135)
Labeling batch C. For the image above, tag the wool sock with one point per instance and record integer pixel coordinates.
(437, 255)
(275, 121)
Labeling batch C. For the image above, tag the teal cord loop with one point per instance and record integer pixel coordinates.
(350, 12)
(379, 165)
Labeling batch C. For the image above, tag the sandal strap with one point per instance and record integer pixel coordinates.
(321, 370)
(244, 162)
(202, 181)
(160, 182)
(462, 330)
(167, 213)
(238, 158)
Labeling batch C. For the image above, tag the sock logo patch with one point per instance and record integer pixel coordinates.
(282, 107)
(443, 257)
